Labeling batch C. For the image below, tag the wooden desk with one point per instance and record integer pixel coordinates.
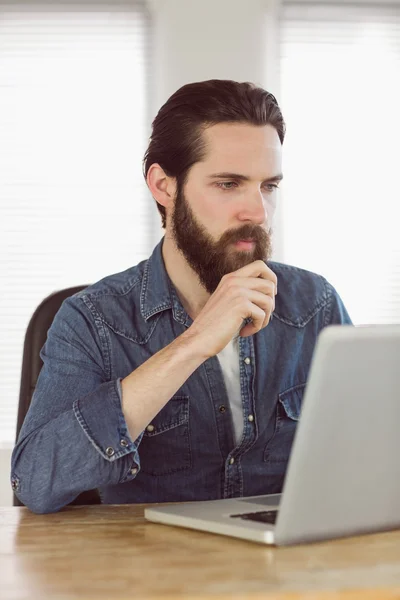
(107, 552)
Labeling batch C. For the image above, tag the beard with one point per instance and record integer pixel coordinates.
(212, 260)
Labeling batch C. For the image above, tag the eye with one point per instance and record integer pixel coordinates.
(270, 187)
(230, 185)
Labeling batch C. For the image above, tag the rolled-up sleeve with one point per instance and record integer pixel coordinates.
(101, 418)
(74, 437)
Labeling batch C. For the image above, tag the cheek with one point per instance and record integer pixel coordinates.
(270, 207)
(210, 209)
(216, 216)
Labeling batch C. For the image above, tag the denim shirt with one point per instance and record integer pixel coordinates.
(75, 437)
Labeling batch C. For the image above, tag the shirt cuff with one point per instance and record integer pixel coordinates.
(101, 418)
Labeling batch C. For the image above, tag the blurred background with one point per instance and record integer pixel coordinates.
(81, 81)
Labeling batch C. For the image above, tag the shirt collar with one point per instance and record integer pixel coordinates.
(158, 293)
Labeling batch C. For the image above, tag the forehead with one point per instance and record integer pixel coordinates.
(239, 146)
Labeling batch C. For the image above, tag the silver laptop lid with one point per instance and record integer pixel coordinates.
(343, 475)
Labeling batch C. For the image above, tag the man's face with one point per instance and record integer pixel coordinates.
(222, 218)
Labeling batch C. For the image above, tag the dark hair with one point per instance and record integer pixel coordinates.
(176, 143)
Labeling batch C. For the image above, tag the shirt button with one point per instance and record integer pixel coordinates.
(150, 427)
(231, 461)
(110, 451)
(222, 408)
(124, 443)
(250, 418)
(247, 360)
(134, 471)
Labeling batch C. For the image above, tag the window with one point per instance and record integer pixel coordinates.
(73, 202)
(340, 96)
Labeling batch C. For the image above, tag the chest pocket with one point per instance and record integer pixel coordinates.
(288, 409)
(165, 446)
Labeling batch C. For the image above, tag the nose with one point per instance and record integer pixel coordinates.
(254, 209)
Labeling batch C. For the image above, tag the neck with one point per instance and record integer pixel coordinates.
(191, 293)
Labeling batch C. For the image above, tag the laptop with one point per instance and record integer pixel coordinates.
(343, 476)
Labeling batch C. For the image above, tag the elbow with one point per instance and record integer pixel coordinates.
(34, 487)
(38, 503)
(38, 498)
(41, 508)
(41, 495)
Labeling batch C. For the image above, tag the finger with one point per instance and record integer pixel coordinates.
(264, 286)
(258, 268)
(266, 303)
(267, 306)
(257, 316)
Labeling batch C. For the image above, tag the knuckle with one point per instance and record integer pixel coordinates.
(229, 279)
(269, 289)
(226, 277)
(231, 287)
(272, 277)
(270, 285)
(260, 312)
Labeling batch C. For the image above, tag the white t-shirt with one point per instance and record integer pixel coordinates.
(229, 361)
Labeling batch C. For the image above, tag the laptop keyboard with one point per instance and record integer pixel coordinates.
(262, 516)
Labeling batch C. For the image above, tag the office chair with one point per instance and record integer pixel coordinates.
(35, 338)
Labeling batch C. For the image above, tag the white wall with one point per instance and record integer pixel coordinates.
(5, 489)
(194, 40)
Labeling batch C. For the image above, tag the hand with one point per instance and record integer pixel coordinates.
(247, 292)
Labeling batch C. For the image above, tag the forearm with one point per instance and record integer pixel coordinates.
(90, 445)
(149, 387)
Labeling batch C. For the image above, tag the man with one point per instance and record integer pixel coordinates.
(182, 377)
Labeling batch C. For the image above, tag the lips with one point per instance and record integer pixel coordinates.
(245, 244)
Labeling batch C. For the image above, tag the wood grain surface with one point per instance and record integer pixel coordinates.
(98, 552)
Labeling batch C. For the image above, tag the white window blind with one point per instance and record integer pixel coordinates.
(340, 95)
(73, 203)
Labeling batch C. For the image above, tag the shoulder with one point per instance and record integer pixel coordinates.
(301, 294)
(116, 284)
(113, 301)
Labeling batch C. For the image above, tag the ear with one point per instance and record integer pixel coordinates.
(162, 187)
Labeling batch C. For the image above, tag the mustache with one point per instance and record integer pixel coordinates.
(247, 232)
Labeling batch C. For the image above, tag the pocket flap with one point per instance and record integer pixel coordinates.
(291, 400)
(173, 414)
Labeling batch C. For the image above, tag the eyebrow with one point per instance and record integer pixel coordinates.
(278, 177)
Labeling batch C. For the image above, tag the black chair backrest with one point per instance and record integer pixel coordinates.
(35, 338)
